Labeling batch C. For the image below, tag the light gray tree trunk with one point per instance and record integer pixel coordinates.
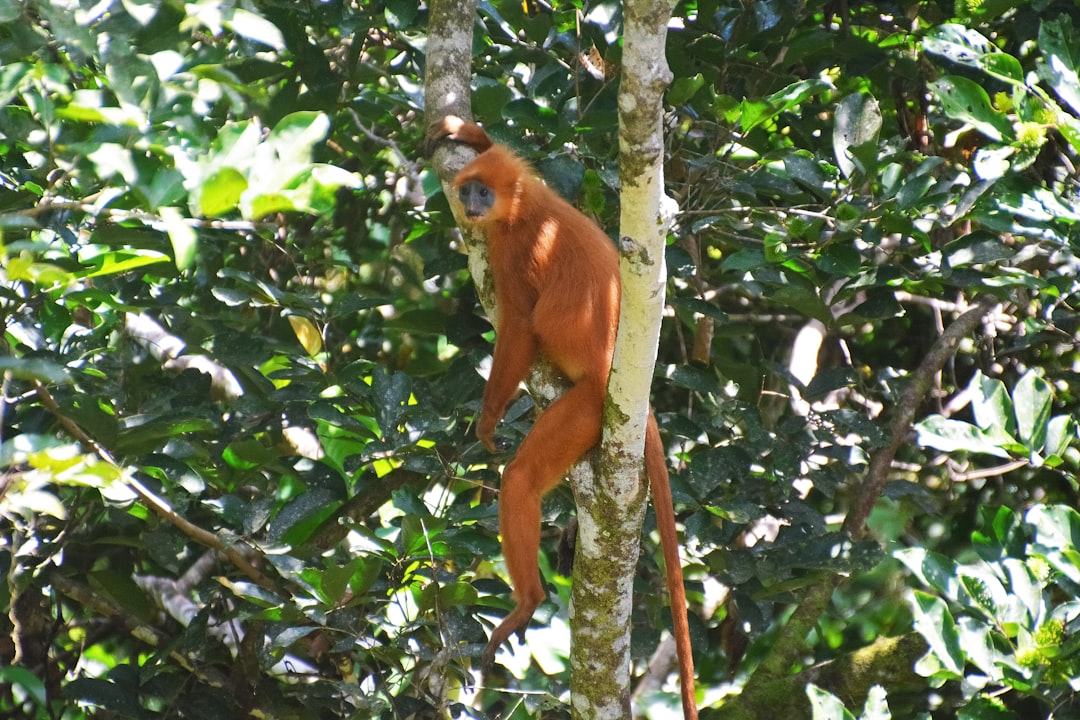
(611, 509)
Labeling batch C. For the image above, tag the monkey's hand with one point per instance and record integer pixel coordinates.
(454, 129)
(442, 129)
(485, 431)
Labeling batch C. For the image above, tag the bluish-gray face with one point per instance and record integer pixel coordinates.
(477, 198)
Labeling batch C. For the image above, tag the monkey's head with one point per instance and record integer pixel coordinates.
(490, 188)
(477, 199)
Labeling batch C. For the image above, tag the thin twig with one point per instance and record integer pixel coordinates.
(989, 472)
(120, 215)
(155, 503)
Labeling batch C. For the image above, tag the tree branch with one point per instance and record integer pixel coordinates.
(611, 508)
(792, 643)
(919, 385)
(155, 503)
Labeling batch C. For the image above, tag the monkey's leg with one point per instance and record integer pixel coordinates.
(562, 434)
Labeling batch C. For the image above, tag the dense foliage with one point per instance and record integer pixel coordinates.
(240, 351)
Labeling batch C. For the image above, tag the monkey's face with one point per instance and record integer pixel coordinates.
(477, 199)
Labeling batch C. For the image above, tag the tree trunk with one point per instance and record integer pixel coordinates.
(611, 508)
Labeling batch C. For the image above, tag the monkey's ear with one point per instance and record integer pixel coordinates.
(445, 128)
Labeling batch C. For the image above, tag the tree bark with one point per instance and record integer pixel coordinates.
(611, 507)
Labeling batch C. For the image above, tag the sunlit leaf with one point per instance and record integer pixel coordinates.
(858, 121)
(1032, 402)
(255, 27)
(221, 191)
(950, 435)
(966, 100)
(826, 706)
(306, 332)
(935, 623)
(1056, 526)
(26, 682)
(877, 705)
(1061, 64)
(184, 239)
(34, 368)
(114, 262)
(966, 46)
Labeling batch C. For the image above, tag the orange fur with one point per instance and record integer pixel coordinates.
(558, 290)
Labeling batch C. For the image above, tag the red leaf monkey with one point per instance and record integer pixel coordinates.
(557, 287)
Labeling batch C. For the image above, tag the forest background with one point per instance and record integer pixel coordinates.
(241, 350)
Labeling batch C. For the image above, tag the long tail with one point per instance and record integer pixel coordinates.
(669, 542)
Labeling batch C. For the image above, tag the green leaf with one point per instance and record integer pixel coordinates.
(391, 394)
(290, 635)
(696, 379)
(880, 304)
(252, 593)
(26, 681)
(716, 467)
(459, 594)
(796, 292)
(826, 706)
(104, 694)
(978, 644)
(935, 623)
(1056, 526)
(982, 708)
(977, 248)
(254, 206)
(142, 10)
(122, 589)
(683, 89)
(983, 591)
(1001, 534)
(114, 262)
(744, 259)
(993, 163)
(990, 404)
(965, 46)
(877, 705)
(417, 533)
(806, 171)
(840, 261)
(756, 113)
(255, 27)
(35, 368)
(1061, 432)
(220, 192)
(1059, 68)
(247, 454)
(1026, 590)
(141, 431)
(294, 137)
(1032, 401)
(184, 239)
(950, 435)
(366, 570)
(858, 122)
(299, 518)
(932, 569)
(966, 100)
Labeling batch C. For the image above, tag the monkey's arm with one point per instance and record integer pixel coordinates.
(515, 351)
